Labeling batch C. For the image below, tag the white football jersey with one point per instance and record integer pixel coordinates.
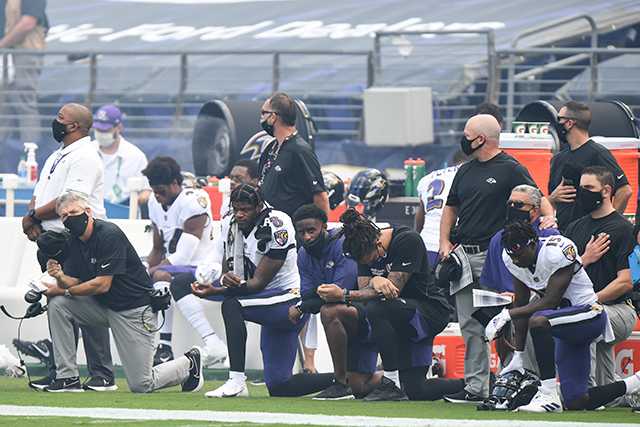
(170, 223)
(555, 253)
(282, 239)
(433, 191)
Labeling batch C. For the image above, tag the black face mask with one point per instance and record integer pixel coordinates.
(77, 224)
(58, 130)
(516, 215)
(316, 247)
(589, 200)
(266, 127)
(465, 145)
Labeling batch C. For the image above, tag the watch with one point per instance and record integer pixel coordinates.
(32, 214)
(67, 293)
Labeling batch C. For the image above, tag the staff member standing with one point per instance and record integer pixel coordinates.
(74, 166)
(574, 119)
(478, 201)
(104, 283)
(290, 173)
(609, 268)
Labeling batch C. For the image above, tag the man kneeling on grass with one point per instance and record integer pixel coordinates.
(256, 252)
(324, 270)
(105, 284)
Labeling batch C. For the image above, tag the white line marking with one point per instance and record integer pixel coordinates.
(270, 417)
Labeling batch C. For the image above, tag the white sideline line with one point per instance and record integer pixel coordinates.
(271, 417)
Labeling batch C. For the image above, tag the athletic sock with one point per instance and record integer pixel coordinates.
(632, 383)
(601, 395)
(549, 385)
(191, 308)
(393, 376)
(165, 339)
(544, 347)
(237, 377)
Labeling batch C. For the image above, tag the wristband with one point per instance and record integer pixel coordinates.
(32, 214)
(67, 293)
(347, 296)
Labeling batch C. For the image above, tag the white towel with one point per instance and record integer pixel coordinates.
(235, 248)
(467, 275)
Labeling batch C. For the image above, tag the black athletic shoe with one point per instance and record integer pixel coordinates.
(99, 384)
(42, 383)
(195, 380)
(337, 391)
(41, 350)
(463, 396)
(386, 391)
(65, 385)
(163, 354)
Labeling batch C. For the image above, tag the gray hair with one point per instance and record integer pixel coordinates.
(534, 194)
(72, 197)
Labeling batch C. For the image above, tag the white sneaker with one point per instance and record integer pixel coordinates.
(215, 352)
(543, 401)
(230, 389)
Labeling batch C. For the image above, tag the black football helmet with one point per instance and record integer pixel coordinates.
(335, 188)
(369, 187)
(511, 390)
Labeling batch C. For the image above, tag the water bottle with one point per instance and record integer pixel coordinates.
(22, 168)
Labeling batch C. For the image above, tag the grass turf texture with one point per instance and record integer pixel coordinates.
(15, 392)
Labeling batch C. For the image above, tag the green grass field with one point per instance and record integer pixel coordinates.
(16, 392)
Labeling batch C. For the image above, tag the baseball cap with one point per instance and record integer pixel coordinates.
(107, 117)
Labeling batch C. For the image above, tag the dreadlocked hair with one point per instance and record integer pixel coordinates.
(245, 193)
(360, 234)
(519, 232)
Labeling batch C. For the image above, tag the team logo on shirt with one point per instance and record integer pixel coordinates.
(278, 168)
(570, 252)
(276, 222)
(491, 180)
(202, 201)
(281, 237)
(329, 265)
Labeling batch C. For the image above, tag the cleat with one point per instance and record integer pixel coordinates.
(543, 401)
(99, 384)
(65, 385)
(386, 391)
(337, 391)
(230, 389)
(195, 381)
(163, 354)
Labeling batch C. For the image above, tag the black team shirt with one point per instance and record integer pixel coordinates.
(480, 191)
(108, 252)
(290, 176)
(620, 231)
(407, 253)
(569, 164)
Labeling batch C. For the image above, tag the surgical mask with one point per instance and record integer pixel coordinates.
(316, 246)
(77, 224)
(58, 130)
(465, 145)
(516, 215)
(264, 124)
(105, 139)
(589, 200)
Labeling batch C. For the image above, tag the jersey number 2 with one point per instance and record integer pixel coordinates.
(435, 188)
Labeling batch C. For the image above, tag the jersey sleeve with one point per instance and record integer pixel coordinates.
(521, 176)
(308, 171)
(606, 159)
(283, 236)
(408, 253)
(196, 204)
(559, 253)
(83, 174)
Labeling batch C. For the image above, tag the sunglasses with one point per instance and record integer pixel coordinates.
(558, 118)
(517, 204)
(517, 248)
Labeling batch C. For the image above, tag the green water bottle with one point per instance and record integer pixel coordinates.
(409, 188)
(419, 171)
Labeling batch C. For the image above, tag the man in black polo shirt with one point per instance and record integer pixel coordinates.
(566, 166)
(290, 173)
(478, 201)
(605, 239)
(105, 284)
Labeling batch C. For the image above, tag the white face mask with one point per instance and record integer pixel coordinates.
(105, 139)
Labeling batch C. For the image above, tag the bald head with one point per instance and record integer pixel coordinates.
(78, 113)
(483, 124)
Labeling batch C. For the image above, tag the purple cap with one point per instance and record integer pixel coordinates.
(107, 117)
